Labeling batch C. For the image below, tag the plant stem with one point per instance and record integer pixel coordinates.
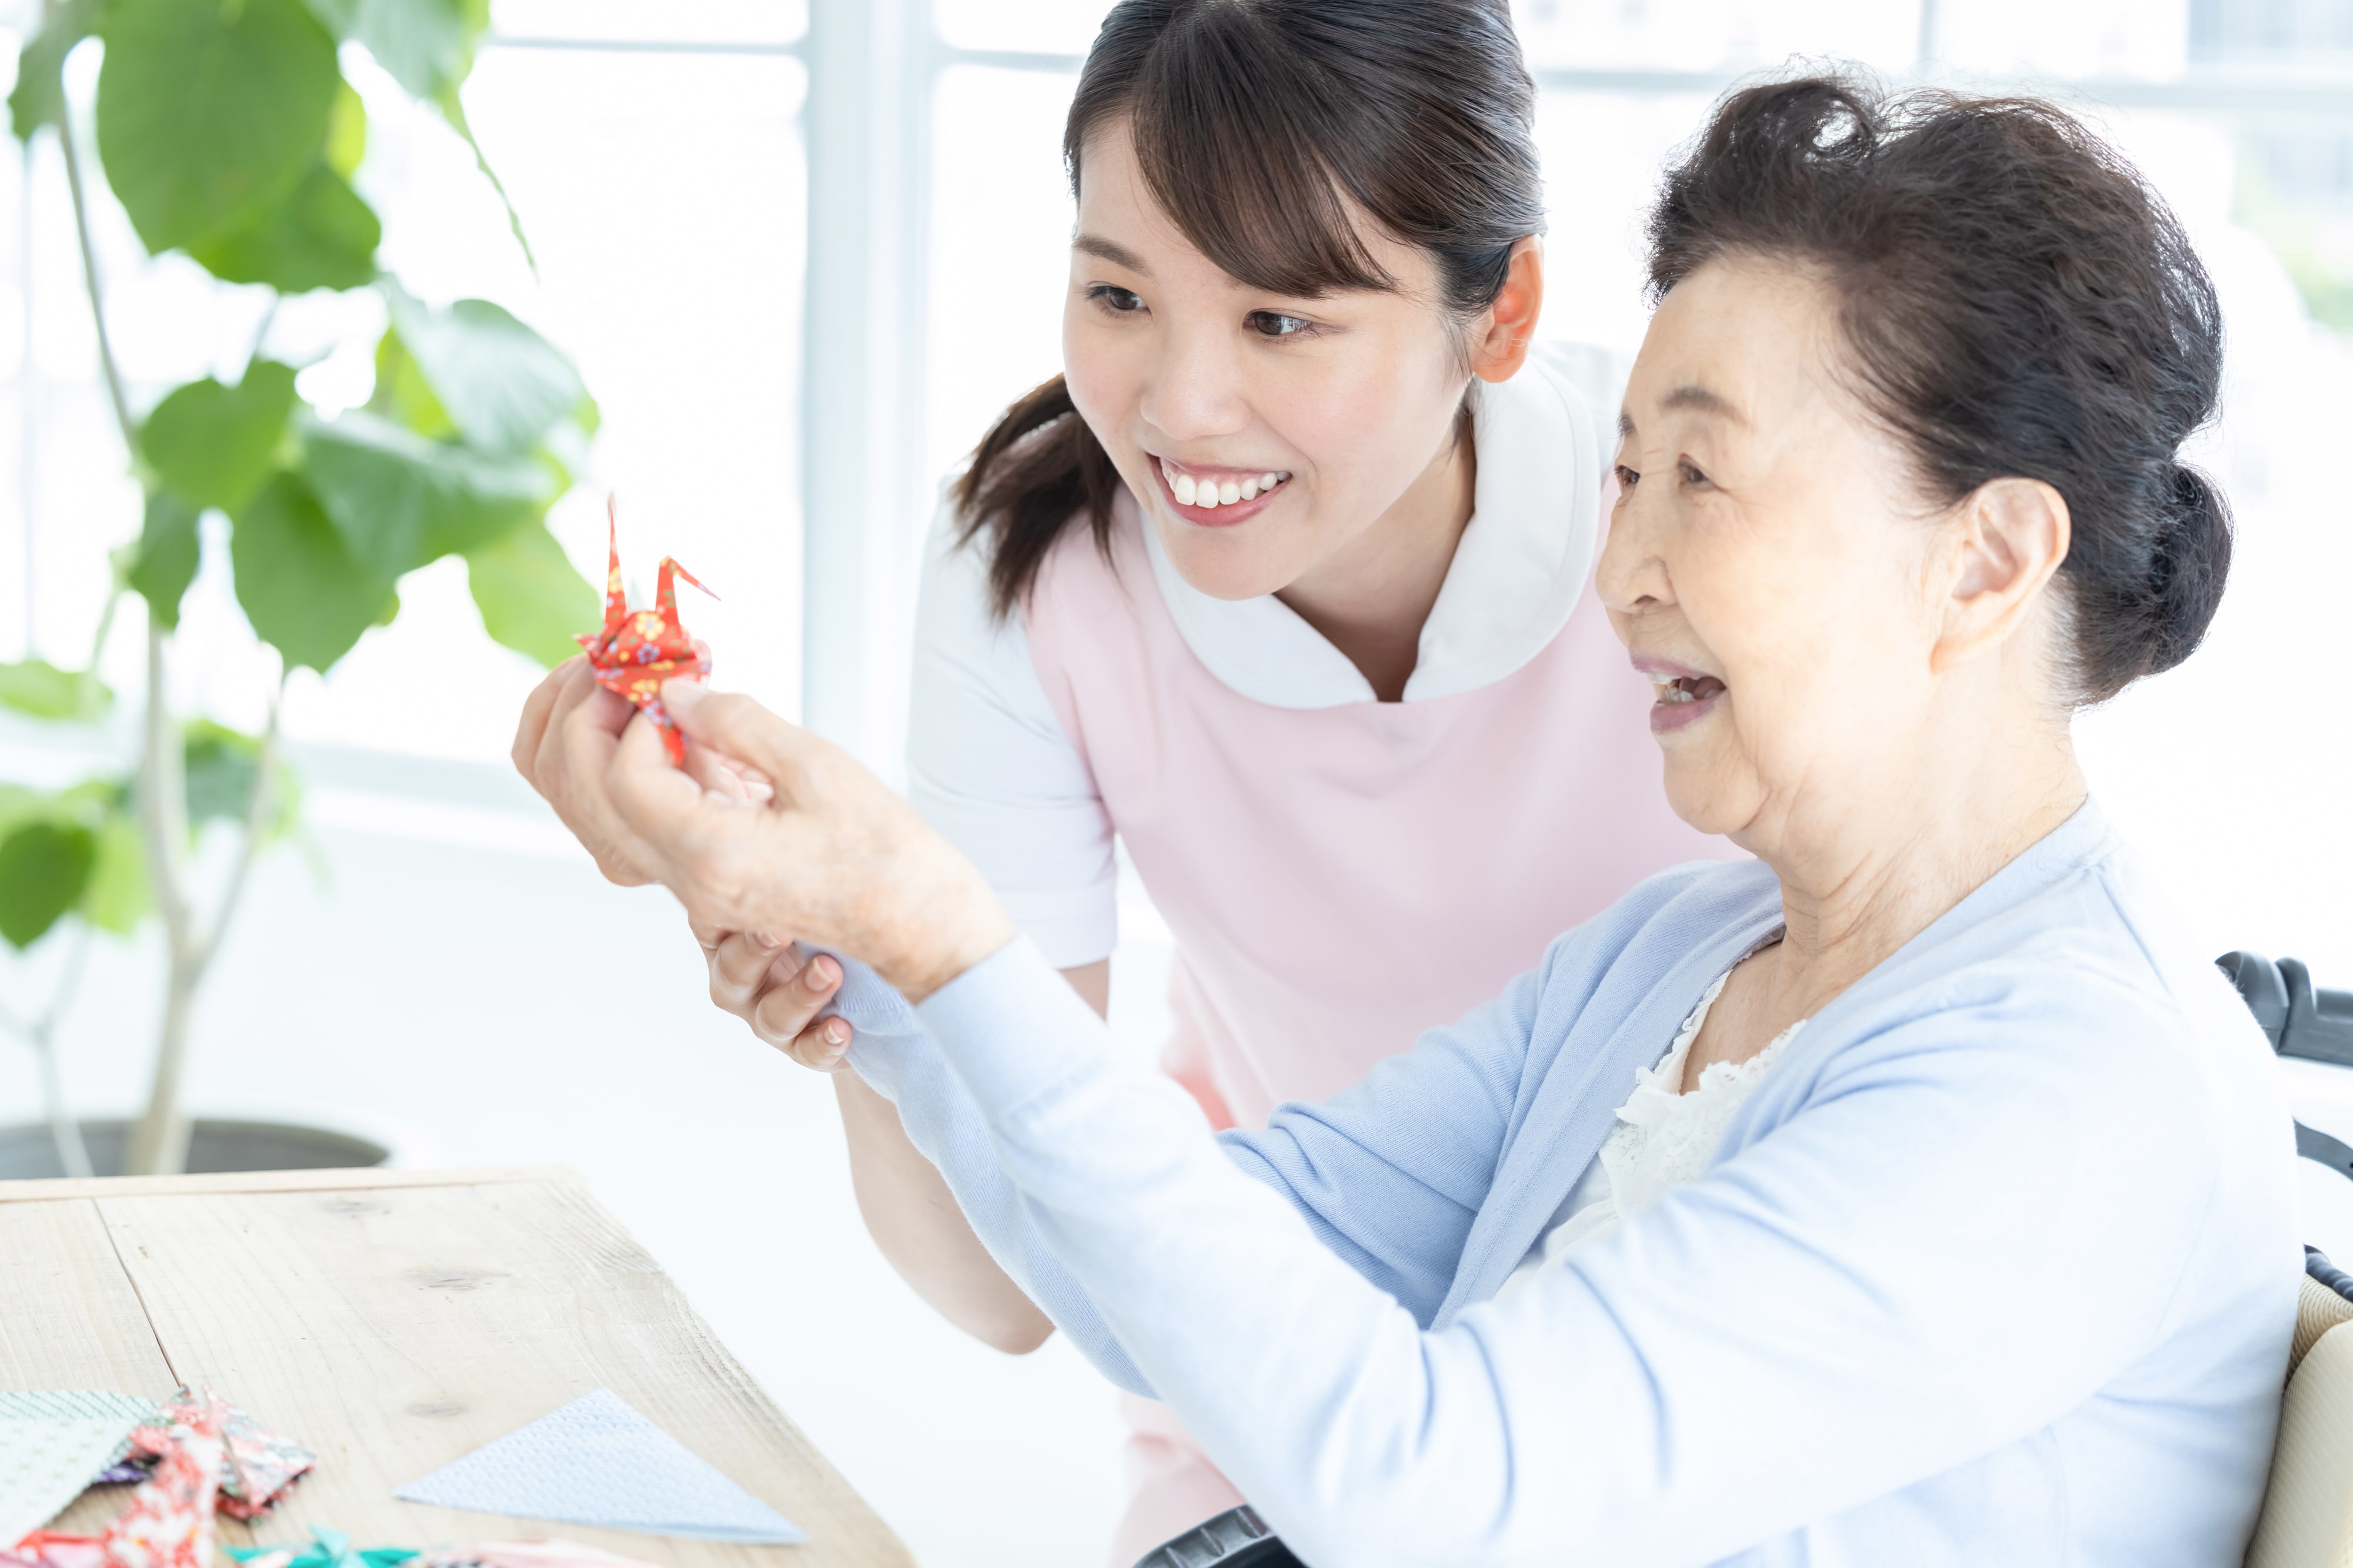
(159, 1143)
(90, 277)
(159, 1140)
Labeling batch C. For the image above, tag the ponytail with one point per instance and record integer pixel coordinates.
(1038, 471)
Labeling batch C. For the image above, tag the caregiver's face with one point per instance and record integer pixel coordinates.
(1260, 432)
(1765, 555)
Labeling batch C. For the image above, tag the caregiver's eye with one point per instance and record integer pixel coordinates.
(1119, 302)
(1275, 324)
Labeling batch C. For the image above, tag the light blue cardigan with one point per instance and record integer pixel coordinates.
(1998, 1266)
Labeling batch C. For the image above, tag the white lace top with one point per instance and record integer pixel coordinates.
(1664, 1139)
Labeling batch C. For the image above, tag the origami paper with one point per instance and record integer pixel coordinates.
(597, 1461)
(48, 1549)
(328, 1549)
(71, 1403)
(639, 649)
(258, 1464)
(46, 1461)
(169, 1521)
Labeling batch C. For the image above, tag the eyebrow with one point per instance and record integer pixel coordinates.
(1117, 254)
(1692, 395)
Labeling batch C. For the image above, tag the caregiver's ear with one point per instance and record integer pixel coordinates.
(2001, 545)
(1500, 334)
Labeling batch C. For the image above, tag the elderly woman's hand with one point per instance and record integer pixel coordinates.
(571, 723)
(832, 856)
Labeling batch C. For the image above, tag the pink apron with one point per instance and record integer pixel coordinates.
(1337, 879)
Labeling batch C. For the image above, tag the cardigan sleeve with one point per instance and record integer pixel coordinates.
(1387, 1174)
(1960, 1219)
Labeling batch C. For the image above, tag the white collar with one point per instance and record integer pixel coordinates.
(1516, 573)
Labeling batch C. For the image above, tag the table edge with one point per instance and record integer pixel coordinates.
(51, 1189)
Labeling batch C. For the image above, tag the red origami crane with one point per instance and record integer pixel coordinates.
(639, 649)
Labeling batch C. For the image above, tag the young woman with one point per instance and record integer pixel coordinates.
(1285, 584)
(1950, 1218)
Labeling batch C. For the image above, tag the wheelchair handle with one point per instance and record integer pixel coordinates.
(2299, 1019)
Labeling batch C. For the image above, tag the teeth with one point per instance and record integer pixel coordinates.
(1209, 495)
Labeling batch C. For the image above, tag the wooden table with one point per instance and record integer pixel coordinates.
(391, 1321)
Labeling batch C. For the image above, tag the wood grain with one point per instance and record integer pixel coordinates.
(394, 1328)
(69, 1319)
(50, 1189)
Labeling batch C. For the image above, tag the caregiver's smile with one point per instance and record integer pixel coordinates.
(1213, 495)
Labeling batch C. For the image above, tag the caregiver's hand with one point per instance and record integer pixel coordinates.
(761, 981)
(571, 725)
(834, 858)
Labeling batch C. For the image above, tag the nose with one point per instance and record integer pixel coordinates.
(1631, 579)
(1195, 392)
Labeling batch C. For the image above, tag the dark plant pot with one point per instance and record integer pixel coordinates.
(26, 1149)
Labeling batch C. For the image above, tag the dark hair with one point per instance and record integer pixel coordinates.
(1257, 124)
(2015, 302)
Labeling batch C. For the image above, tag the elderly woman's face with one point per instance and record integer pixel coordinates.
(1765, 561)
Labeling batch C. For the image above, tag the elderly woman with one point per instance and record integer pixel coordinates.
(1917, 1193)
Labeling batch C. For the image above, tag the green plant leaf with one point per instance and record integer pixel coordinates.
(321, 237)
(220, 763)
(39, 97)
(43, 868)
(400, 500)
(118, 897)
(346, 132)
(502, 383)
(401, 394)
(40, 689)
(425, 46)
(531, 598)
(210, 113)
(303, 590)
(165, 561)
(213, 444)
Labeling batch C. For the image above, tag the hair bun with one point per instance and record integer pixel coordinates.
(2187, 567)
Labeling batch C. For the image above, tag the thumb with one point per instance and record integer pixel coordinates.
(738, 727)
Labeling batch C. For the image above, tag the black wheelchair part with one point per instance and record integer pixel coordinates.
(1237, 1538)
(2300, 1021)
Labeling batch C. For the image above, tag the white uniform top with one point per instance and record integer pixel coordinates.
(988, 765)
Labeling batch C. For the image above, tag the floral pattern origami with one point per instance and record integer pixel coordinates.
(637, 650)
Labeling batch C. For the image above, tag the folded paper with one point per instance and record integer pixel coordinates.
(598, 1461)
(637, 650)
(46, 1461)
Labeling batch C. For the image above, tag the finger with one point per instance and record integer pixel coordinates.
(737, 727)
(740, 968)
(575, 685)
(686, 839)
(822, 1047)
(589, 749)
(536, 710)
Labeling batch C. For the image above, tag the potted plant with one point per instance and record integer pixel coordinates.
(228, 133)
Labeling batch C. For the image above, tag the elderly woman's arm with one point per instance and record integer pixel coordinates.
(1938, 1256)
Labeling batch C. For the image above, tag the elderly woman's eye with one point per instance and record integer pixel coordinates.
(1117, 301)
(1273, 324)
(1627, 478)
(1689, 472)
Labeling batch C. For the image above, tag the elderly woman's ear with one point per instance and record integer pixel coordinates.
(1997, 553)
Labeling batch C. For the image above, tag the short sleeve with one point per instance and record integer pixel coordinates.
(988, 765)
